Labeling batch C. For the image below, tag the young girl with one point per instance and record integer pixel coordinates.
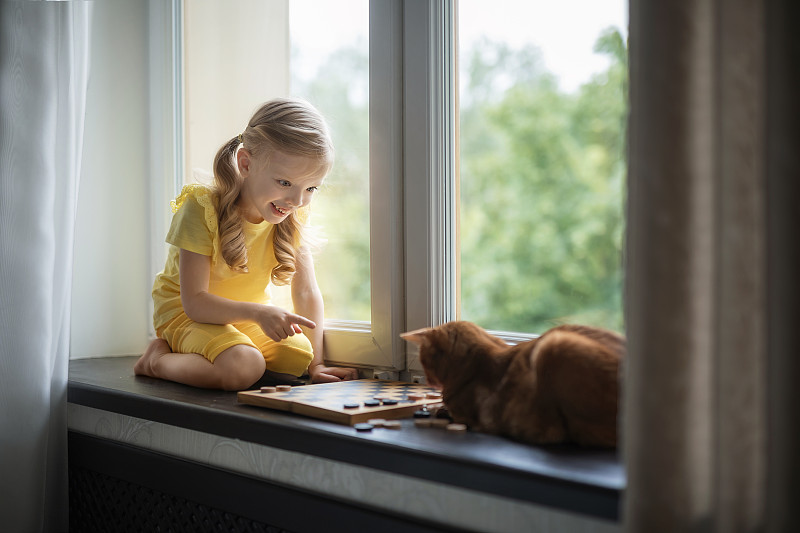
(213, 320)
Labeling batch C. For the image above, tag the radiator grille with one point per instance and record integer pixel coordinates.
(98, 503)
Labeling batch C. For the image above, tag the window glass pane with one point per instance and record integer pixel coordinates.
(238, 55)
(542, 90)
(330, 67)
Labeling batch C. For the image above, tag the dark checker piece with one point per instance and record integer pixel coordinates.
(363, 427)
(352, 405)
(372, 403)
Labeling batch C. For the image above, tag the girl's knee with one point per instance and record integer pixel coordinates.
(240, 366)
(291, 360)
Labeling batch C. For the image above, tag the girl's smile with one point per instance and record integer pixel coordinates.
(275, 187)
(278, 210)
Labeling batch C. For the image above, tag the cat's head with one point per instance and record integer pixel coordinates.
(452, 348)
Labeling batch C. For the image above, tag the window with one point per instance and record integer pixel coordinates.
(522, 229)
(237, 55)
(493, 176)
(542, 111)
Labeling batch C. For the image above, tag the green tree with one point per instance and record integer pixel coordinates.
(542, 176)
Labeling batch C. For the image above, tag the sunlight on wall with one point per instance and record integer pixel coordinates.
(248, 44)
(110, 288)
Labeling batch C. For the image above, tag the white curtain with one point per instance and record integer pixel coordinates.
(44, 64)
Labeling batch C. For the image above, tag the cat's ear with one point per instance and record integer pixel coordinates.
(418, 336)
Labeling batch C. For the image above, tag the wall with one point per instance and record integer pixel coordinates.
(235, 57)
(111, 289)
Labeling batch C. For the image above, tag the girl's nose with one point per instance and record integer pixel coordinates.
(296, 199)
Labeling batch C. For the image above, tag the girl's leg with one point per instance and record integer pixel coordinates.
(236, 368)
(286, 360)
(154, 351)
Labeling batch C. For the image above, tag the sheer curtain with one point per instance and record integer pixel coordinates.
(711, 396)
(44, 66)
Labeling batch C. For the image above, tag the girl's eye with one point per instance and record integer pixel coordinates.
(312, 189)
(284, 183)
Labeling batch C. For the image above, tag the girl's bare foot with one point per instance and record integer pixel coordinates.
(154, 351)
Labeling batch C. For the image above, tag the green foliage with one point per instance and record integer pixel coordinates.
(542, 181)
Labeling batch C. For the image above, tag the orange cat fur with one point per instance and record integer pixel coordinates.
(560, 387)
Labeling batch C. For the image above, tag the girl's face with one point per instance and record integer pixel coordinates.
(273, 188)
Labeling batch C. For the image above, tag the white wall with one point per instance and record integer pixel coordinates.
(236, 56)
(111, 285)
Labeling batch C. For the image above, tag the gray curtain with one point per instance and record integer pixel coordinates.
(711, 401)
(43, 75)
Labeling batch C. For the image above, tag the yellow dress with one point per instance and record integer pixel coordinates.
(194, 228)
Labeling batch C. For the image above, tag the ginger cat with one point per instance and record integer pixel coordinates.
(561, 387)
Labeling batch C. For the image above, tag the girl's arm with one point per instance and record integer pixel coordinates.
(201, 306)
(307, 300)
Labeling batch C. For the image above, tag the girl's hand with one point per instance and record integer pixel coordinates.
(327, 374)
(278, 323)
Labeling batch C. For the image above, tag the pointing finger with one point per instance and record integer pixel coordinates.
(303, 321)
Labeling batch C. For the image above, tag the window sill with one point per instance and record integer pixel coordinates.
(571, 479)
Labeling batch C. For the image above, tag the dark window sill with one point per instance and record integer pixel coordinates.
(584, 481)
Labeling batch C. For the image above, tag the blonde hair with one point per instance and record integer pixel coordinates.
(287, 125)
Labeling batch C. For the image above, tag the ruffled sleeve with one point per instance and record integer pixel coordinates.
(194, 225)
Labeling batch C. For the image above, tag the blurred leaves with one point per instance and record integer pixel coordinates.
(542, 183)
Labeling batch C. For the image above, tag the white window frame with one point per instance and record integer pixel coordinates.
(412, 183)
(430, 171)
(413, 238)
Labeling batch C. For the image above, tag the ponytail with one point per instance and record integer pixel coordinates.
(228, 184)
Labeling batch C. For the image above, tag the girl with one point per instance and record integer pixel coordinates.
(214, 325)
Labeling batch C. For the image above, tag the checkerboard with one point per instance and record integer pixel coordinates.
(326, 401)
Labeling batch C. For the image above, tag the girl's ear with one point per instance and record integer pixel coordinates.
(244, 161)
(418, 336)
